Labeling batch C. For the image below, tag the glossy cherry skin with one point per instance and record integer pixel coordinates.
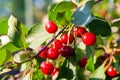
(51, 27)
(57, 44)
(82, 62)
(78, 31)
(66, 51)
(89, 38)
(111, 71)
(56, 70)
(67, 38)
(43, 54)
(53, 53)
(46, 68)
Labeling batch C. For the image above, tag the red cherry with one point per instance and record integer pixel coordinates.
(43, 54)
(66, 51)
(53, 53)
(56, 70)
(51, 27)
(82, 62)
(57, 44)
(46, 67)
(67, 38)
(78, 31)
(88, 38)
(111, 71)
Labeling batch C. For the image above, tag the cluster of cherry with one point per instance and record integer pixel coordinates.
(61, 46)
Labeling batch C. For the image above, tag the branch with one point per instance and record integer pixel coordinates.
(97, 1)
(50, 41)
(115, 20)
(36, 55)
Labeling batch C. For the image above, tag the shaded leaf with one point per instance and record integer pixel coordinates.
(64, 6)
(89, 51)
(82, 15)
(36, 36)
(100, 27)
(65, 72)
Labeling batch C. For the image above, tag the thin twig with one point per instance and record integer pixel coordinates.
(97, 1)
(115, 20)
(36, 55)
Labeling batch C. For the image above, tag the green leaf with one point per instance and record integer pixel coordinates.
(5, 56)
(68, 15)
(51, 14)
(65, 72)
(4, 27)
(100, 27)
(100, 40)
(89, 51)
(0, 42)
(64, 6)
(10, 47)
(16, 32)
(4, 40)
(61, 20)
(36, 36)
(82, 15)
(90, 64)
(98, 74)
(37, 75)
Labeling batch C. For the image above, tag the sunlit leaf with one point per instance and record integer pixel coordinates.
(37, 35)
(90, 64)
(64, 6)
(5, 56)
(3, 27)
(16, 32)
(98, 74)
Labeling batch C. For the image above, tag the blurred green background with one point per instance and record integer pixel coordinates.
(32, 11)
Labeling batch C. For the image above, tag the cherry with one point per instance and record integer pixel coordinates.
(88, 38)
(78, 31)
(51, 27)
(43, 54)
(56, 70)
(46, 67)
(82, 62)
(67, 38)
(66, 51)
(53, 53)
(104, 56)
(111, 71)
(57, 44)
